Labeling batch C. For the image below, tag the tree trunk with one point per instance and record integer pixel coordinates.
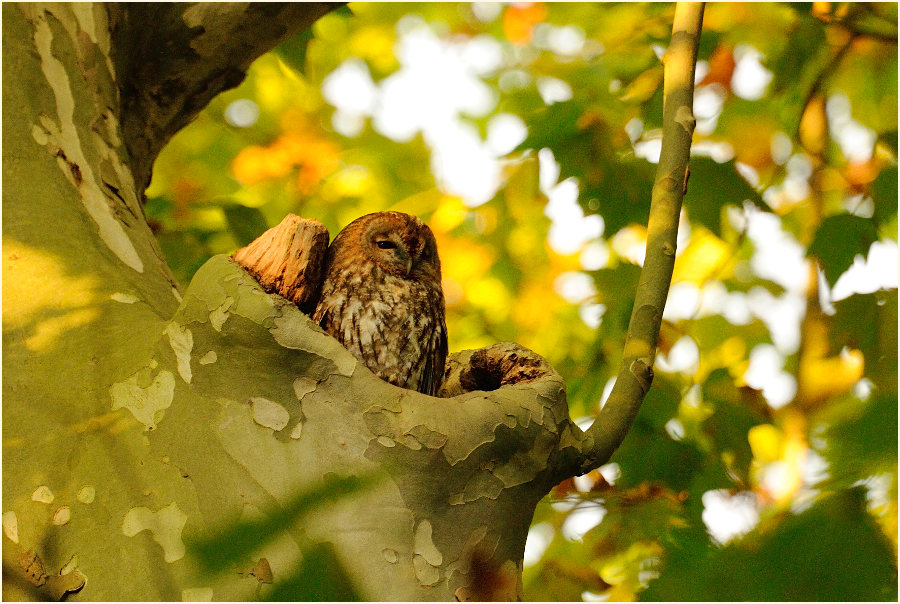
(137, 419)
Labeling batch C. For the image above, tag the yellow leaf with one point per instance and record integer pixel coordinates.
(825, 377)
(644, 86)
(705, 257)
(491, 295)
(463, 260)
(766, 443)
(820, 376)
(449, 214)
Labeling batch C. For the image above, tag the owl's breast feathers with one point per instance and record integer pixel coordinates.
(397, 328)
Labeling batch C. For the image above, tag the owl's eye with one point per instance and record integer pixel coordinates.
(385, 244)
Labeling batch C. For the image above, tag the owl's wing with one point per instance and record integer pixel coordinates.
(433, 373)
(289, 259)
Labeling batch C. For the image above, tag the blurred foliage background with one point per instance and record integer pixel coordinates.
(763, 464)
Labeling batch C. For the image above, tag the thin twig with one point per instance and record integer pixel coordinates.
(636, 373)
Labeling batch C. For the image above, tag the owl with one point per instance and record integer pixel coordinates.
(382, 299)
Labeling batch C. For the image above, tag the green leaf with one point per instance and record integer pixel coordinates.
(648, 453)
(245, 223)
(834, 551)
(853, 326)
(884, 195)
(293, 50)
(619, 189)
(864, 441)
(736, 411)
(711, 187)
(839, 239)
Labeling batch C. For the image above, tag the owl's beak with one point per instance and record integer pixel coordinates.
(409, 264)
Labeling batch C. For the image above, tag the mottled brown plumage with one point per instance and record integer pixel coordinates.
(382, 299)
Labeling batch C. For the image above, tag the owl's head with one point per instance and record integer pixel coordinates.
(400, 244)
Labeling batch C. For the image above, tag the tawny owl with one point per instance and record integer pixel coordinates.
(382, 299)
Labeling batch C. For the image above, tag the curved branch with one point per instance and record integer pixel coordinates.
(172, 59)
(636, 373)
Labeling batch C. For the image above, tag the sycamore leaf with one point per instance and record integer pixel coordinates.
(833, 551)
(838, 241)
(711, 187)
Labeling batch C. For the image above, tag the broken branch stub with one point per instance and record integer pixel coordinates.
(289, 259)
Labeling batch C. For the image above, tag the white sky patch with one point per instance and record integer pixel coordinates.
(592, 314)
(431, 88)
(714, 299)
(548, 170)
(570, 229)
(781, 147)
(683, 357)
(439, 82)
(814, 468)
(486, 11)
(629, 243)
(582, 519)
(242, 113)
(777, 255)
(584, 422)
(539, 538)
(720, 152)
(765, 372)
(505, 132)
(777, 479)
(878, 489)
(513, 79)
(574, 287)
(675, 429)
(781, 315)
(463, 164)
(351, 90)
(878, 270)
(566, 41)
(700, 71)
(708, 101)
(683, 301)
(750, 79)
(553, 90)
(634, 128)
(748, 172)
(855, 140)
(594, 256)
(611, 472)
(607, 389)
(649, 148)
(482, 54)
(729, 516)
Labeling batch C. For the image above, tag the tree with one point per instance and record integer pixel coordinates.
(246, 429)
(453, 488)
